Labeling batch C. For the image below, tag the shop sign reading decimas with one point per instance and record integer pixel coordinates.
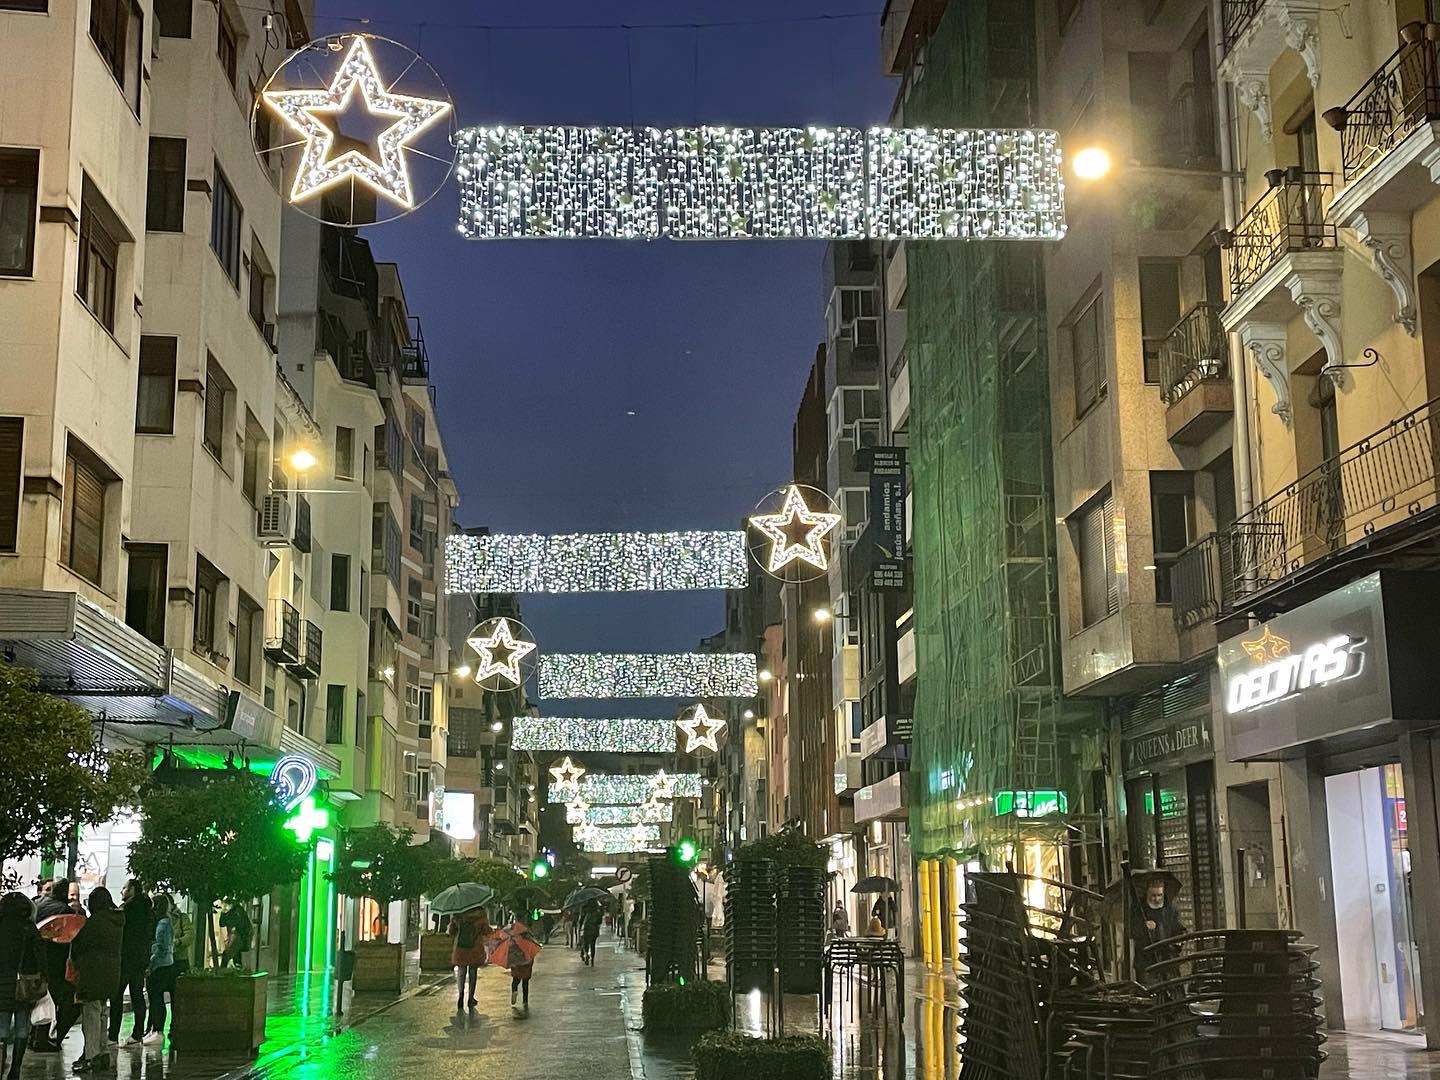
(1286, 673)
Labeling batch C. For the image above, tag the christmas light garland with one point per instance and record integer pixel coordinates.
(637, 675)
(595, 562)
(599, 736)
(725, 183)
(622, 789)
(646, 813)
(595, 838)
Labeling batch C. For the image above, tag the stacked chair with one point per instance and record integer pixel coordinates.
(800, 921)
(750, 925)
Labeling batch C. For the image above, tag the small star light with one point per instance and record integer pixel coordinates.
(500, 654)
(567, 772)
(662, 785)
(317, 169)
(700, 730)
(796, 532)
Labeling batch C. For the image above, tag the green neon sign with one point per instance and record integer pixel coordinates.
(1031, 804)
(307, 820)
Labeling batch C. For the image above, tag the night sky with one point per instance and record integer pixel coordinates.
(596, 385)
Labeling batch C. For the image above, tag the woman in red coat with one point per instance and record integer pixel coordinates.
(471, 930)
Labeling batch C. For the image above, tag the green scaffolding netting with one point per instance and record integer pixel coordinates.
(989, 715)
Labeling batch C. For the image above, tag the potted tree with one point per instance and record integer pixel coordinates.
(215, 834)
(444, 870)
(382, 864)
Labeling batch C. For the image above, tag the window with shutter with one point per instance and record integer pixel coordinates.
(96, 268)
(218, 388)
(1087, 358)
(155, 401)
(1099, 584)
(12, 433)
(82, 534)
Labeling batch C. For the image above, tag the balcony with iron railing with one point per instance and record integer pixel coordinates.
(1192, 362)
(1402, 96)
(311, 645)
(1236, 16)
(414, 358)
(1289, 218)
(1380, 483)
(282, 632)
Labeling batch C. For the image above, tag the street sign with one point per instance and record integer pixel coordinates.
(624, 874)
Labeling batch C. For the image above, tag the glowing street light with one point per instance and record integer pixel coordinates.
(1091, 163)
(303, 460)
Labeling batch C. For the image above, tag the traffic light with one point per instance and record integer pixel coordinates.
(539, 870)
(687, 853)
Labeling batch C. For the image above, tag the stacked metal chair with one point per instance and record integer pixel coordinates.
(750, 925)
(1236, 1005)
(800, 920)
(676, 923)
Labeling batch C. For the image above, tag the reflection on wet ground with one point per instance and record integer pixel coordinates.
(584, 1024)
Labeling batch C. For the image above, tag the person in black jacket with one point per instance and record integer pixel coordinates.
(95, 952)
(134, 960)
(21, 952)
(57, 902)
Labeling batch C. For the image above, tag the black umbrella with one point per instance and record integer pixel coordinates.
(876, 884)
(584, 895)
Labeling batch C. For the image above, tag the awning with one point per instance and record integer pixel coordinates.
(88, 656)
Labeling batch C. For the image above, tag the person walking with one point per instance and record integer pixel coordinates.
(21, 961)
(160, 967)
(134, 962)
(95, 953)
(238, 927)
(839, 920)
(590, 923)
(54, 956)
(471, 930)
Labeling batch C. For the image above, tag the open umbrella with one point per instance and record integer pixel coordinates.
(467, 896)
(876, 885)
(584, 895)
(513, 947)
(61, 928)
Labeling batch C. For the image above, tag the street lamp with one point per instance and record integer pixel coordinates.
(823, 615)
(766, 675)
(498, 726)
(303, 460)
(1091, 163)
(463, 671)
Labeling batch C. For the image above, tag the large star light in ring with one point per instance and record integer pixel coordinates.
(795, 534)
(701, 730)
(501, 645)
(302, 110)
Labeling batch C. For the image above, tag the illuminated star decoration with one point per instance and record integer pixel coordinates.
(700, 730)
(567, 773)
(318, 170)
(662, 786)
(796, 532)
(500, 654)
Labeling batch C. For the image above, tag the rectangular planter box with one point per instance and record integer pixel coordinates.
(222, 1012)
(379, 965)
(435, 951)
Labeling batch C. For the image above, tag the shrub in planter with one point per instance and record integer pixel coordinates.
(218, 1009)
(385, 865)
(694, 1006)
(727, 1055)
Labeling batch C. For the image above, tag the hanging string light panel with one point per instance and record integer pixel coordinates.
(602, 736)
(647, 675)
(716, 183)
(595, 562)
(624, 789)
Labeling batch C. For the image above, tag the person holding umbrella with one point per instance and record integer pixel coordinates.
(470, 930)
(58, 926)
(516, 949)
(1156, 920)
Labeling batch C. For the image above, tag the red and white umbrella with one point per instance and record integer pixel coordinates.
(513, 947)
(61, 928)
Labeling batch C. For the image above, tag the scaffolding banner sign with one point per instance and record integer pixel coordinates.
(886, 533)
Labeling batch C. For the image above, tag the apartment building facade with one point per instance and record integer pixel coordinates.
(1330, 256)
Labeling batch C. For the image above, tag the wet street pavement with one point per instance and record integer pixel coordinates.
(583, 1024)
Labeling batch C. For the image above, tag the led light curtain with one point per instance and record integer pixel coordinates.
(638, 675)
(607, 736)
(713, 183)
(595, 562)
(621, 789)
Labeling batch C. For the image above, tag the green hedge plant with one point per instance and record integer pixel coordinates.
(686, 1007)
(729, 1055)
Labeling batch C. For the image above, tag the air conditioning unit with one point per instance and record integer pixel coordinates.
(272, 520)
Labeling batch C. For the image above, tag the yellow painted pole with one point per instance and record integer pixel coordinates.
(952, 915)
(927, 912)
(937, 924)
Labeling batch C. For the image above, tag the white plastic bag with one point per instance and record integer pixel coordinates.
(42, 1013)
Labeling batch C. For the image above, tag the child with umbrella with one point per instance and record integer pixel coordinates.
(516, 949)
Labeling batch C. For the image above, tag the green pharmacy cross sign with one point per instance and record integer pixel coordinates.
(307, 820)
